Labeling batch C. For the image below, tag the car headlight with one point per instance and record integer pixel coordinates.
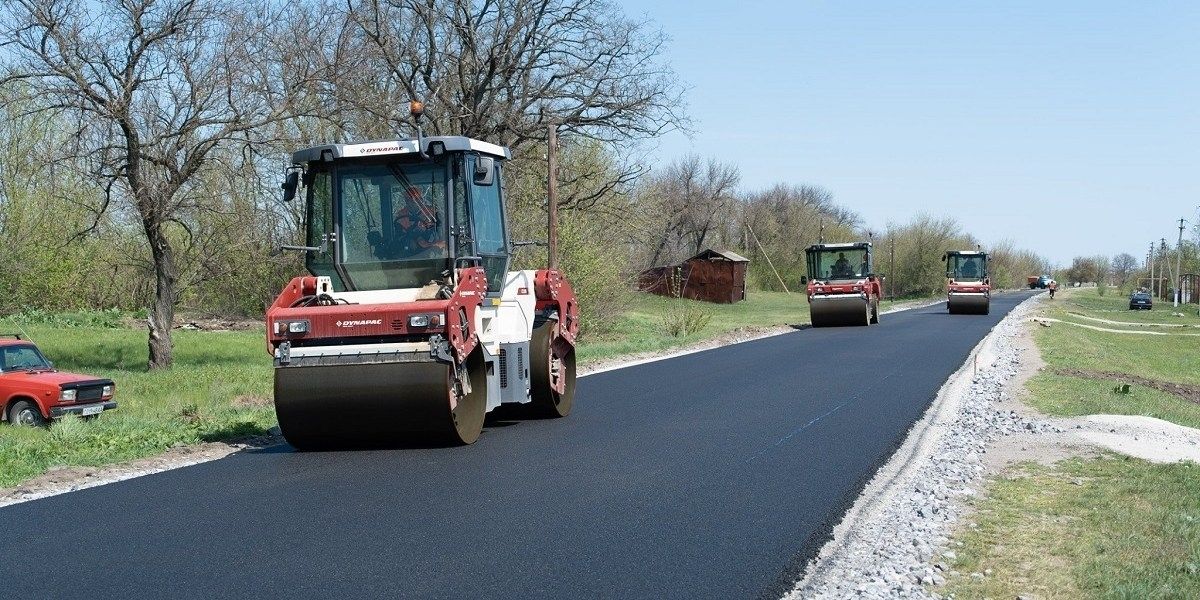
(107, 391)
(68, 395)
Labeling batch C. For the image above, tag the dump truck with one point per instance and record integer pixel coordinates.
(843, 288)
(1038, 282)
(968, 287)
(410, 327)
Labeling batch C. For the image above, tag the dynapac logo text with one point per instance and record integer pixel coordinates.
(359, 323)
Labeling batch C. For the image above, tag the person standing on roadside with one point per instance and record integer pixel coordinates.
(1053, 286)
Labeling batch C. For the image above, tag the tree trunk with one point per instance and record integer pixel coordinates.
(162, 313)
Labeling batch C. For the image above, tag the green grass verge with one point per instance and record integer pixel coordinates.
(1117, 528)
(219, 389)
(1166, 358)
(1115, 306)
(1075, 396)
(641, 327)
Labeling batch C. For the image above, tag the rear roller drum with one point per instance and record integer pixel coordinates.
(551, 372)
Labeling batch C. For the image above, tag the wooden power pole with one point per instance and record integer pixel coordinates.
(552, 197)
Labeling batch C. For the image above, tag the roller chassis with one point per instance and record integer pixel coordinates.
(838, 297)
(482, 344)
(967, 292)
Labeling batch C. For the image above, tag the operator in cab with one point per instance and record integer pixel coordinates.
(968, 269)
(841, 267)
(415, 228)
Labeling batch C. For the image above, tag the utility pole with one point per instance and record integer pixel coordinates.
(1162, 271)
(552, 197)
(1150, 262)
(892, 262)
(1179, 266)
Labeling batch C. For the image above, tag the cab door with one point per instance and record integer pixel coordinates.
(489, 229)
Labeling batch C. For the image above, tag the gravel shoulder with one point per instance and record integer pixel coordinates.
(895, 541)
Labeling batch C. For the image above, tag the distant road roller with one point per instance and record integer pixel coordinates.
(410, 327)
(968, 287)
(843, 288)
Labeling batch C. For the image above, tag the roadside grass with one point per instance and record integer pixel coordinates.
(1115, 307)
(1065, 396)
(1163, 357)
(1113, 527)
(219, 389)
(641, 327)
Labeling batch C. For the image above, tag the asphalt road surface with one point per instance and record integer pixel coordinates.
(716, 474)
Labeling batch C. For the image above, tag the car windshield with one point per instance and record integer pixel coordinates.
(839, 263)
(22, 358)
(965, 267)
(392, 219)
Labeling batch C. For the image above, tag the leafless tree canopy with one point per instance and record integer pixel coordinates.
(498, 70)
(693, 199)
(161, 90)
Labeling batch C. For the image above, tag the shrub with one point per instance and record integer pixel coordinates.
(682, 318)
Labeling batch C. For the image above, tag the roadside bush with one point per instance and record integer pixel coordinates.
(109, 318)
(682, 318)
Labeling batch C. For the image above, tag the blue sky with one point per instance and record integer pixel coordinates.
(1072, 128)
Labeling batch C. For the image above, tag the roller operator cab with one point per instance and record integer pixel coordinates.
(968, 287)
(410, 327)
(843, 288)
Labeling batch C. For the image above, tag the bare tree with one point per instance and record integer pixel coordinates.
(694, 200)
(1123, 267)
(502, 70)
(162, 90)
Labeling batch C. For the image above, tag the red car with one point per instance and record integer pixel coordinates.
(32, 391)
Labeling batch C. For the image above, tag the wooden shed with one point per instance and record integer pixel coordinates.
(712, 276)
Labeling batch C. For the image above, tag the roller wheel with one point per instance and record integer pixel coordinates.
(470, 409)
(551, 372)
(24, 413)
(875, 312)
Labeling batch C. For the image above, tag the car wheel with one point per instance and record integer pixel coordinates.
(25, 413)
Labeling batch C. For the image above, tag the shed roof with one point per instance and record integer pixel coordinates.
(726, 254)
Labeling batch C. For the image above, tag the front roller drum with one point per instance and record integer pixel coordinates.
(840, 312)
(962, 304)
(379, 405)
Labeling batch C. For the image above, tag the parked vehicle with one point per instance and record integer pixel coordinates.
(1141, 301)
(33, 392)
(1038, 282)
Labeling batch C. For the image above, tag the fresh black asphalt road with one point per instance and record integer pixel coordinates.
(714, 475)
